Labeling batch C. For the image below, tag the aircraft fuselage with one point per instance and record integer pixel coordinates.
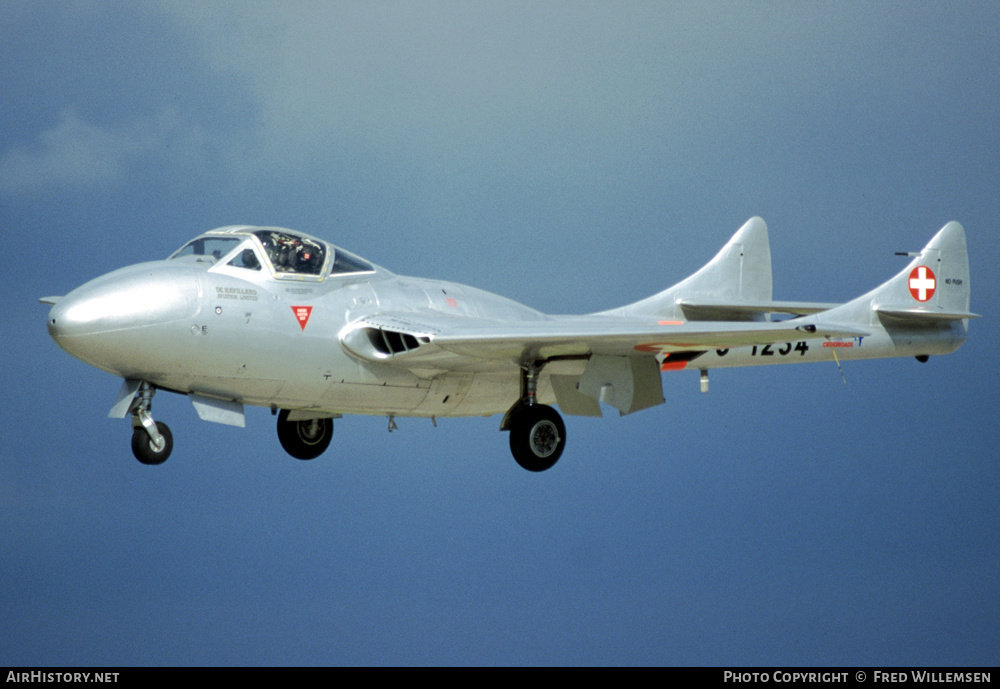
(190, 328)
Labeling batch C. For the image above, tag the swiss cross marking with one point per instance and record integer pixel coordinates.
(302, 314)
(922, 283)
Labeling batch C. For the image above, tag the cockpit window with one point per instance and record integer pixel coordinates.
(346, 262)
(292, 254)
(246, 259)
(285, 254)
(211, 248)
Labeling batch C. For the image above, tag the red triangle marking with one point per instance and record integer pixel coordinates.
(302, 314)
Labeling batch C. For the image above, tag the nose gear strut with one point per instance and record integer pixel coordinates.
(152, 440)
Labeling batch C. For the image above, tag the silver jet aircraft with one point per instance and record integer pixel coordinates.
(270, 317)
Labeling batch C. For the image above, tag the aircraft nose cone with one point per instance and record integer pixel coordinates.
(109, 321)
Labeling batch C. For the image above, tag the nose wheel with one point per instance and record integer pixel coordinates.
(149, 451)
(152, 441)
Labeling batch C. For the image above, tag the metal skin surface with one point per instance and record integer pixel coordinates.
(275, 318)
(197, 327)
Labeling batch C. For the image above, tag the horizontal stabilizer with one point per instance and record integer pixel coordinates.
(923, 314)
(723, 311)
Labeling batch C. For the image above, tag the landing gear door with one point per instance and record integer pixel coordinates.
(627, 383)
(125, 396)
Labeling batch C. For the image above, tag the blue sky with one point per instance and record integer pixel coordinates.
(571, 156)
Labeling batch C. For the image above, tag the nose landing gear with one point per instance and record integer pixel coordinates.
(152, 440)
(150, 450)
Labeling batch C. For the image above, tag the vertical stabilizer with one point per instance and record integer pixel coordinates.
(922, 310)
(951, 278)
(933, 289)
(739, 274)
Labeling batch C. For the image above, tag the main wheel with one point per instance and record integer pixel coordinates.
(304, 439)
(144, 449)
(537, 436)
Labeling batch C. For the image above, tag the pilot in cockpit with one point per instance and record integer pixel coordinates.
(307, 260)
(248, 259)
(291, 254)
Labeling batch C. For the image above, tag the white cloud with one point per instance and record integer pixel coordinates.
(76, 153)
(566, 85)
(71, 152)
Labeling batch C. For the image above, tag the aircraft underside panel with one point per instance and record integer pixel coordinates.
(253, 391)
(355, 398)
(628, 383)
(494, 393)
(445, 395)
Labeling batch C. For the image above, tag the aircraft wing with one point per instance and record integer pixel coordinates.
(435, 340)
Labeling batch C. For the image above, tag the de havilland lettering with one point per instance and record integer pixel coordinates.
(270, 317)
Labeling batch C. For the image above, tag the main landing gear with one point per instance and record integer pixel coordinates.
(152, 440)
(537, 432)
(306, 439)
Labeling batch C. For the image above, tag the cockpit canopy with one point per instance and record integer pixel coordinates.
(286, 254)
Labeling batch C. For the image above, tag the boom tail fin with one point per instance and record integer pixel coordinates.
(933, 289)
(924, 307)
(740, 274)
(934, 286)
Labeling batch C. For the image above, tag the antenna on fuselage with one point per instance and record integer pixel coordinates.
(837, 360)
